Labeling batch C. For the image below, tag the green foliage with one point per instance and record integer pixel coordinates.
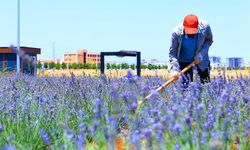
(144, 66)
(46, 65)
(118, 66)
(150, 66)
(39, 65)
(113, 66)
(124, 66)
(64, 107)
(63, 65)
(132, 66)
(165, 66)
(86, 66)
(52, 65)
(58, 66)
(98, 66)
(73, 66)
(108, 66)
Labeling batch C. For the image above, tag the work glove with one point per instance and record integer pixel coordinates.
(198, 58)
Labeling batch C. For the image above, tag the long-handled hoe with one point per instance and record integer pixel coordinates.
(171, 80)
(119, 141)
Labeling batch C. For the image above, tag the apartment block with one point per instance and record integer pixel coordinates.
(81, 57)
(235, 62)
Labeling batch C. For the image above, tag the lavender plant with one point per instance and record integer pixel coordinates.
(84, 112)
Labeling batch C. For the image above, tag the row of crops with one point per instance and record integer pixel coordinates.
(86, 112)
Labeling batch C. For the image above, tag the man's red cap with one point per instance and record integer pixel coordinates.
(190, 24)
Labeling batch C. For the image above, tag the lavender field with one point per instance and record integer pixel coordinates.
(84, 112)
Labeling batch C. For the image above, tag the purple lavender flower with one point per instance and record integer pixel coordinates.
(148, 133)
(224, 95)
(1, 128)
(98, 102)
(177, 128)
(246, 99)
(9, 147)
(69, 134)
(134, 106)
(200, 107)
(129, 75)
(177, 147)
(45, 137)
(188, 121)
(113, 124)
(80, 140)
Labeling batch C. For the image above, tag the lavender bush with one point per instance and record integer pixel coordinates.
(86, 112)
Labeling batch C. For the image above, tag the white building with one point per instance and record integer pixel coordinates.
(215, 62)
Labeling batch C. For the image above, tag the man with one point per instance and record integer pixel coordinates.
(190, 42)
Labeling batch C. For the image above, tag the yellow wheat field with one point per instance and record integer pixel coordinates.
(120, 73)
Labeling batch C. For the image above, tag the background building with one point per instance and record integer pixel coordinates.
(215, 62)
(28, 57)
(235, 62)
(50, 61)
(93, 58)
(81, 57)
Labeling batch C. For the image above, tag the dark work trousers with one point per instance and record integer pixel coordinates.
(204, 75)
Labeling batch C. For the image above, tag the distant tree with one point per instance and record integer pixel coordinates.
(63, 65)
(86, 66)
(78, 66)
(118, 66)
(108, 66)
(132, 66)
(58, 66)
(52, 65)
(113, 66)
(150, 66)
(70, 66)
(46, 65)
(39, 65)
(144, 66)
(74, 66)
(81, 66)
(165, 66)
(125, 66)
(93, 66)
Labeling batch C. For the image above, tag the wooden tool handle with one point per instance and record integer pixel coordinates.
(172, 79)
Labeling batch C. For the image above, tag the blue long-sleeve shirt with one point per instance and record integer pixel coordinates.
(204, 41)
(188, 48)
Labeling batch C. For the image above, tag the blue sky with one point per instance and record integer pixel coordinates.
(112, 25)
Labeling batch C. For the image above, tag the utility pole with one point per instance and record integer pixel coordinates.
(18, 39)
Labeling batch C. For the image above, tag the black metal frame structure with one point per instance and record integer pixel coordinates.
(123, 54)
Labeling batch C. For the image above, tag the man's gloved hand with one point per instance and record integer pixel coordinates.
(198, 58)
(175, 75)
